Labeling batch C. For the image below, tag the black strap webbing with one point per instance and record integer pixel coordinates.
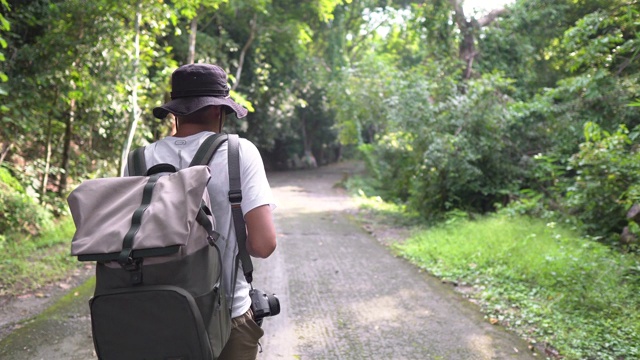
(203, 220)
(160, 168)
(235, 198)
(125, 259)
(209, 147)
(136, 163)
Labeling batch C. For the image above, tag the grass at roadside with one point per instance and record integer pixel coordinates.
(554, 288)
(27, 262)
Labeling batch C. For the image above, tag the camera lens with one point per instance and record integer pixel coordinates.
(274, 305)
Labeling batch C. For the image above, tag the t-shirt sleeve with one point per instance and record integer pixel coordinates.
(255, 186)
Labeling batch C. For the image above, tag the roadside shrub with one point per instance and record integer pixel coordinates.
(607, 182)
(19, 214)
(467, 158)
(7, 179)
(391, 161)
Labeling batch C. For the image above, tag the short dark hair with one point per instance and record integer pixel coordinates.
(198, 117)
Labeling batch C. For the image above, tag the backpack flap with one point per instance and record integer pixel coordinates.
(159, 221)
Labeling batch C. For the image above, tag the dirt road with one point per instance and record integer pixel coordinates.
(343, 295)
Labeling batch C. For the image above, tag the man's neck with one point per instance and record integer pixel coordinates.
(185, 130)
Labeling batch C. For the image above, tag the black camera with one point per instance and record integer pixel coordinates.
(263, 305)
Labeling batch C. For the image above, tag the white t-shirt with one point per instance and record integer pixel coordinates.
(178, 151)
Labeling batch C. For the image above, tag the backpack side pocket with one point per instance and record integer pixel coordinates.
(217, 317)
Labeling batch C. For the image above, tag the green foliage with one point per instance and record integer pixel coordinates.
(7, 179)
(607, 181)
(20, 214)
(361, 101)
(29, 262)
(467, 157)
(391, 161)
(541, 280)
(5, 26)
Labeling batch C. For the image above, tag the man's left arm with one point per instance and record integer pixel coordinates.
(261, 232)
(257, 201)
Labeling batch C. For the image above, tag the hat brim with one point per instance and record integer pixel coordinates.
(188, 105)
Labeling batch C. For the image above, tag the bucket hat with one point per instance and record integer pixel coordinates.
(195, 86)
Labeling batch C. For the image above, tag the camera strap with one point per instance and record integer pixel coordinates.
(235, 198)
(203, 157)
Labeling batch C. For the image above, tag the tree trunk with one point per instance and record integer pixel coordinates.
(68, 132)
(47, 162)
(192, 40)
(305, 139)
(134, 94)
(467, 50)
(308, 159)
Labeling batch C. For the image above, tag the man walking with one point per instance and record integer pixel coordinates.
(200, 102)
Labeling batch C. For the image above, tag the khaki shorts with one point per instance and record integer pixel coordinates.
(243, 340)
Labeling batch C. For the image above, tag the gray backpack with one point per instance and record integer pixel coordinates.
(159, 292)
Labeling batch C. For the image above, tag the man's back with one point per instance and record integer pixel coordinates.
(179, 151)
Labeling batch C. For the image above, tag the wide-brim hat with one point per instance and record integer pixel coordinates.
(196, 86)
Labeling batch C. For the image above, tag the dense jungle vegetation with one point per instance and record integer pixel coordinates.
(530, 110)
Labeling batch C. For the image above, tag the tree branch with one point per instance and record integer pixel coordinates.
(491, 17)
(253, 24)
(6, 147)
(627, 62)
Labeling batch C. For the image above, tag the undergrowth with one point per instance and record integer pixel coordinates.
(556, 289)
(29, 262)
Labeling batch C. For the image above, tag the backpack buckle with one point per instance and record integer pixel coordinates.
(213, 238)
(235, 197)
(127, 262)
(134, 267)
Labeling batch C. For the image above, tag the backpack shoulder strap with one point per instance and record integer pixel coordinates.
(235, 198)
(209, 147)
(203, 157)
(136, 163)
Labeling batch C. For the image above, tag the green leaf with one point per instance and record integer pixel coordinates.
(636, 103)
(4, 24)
